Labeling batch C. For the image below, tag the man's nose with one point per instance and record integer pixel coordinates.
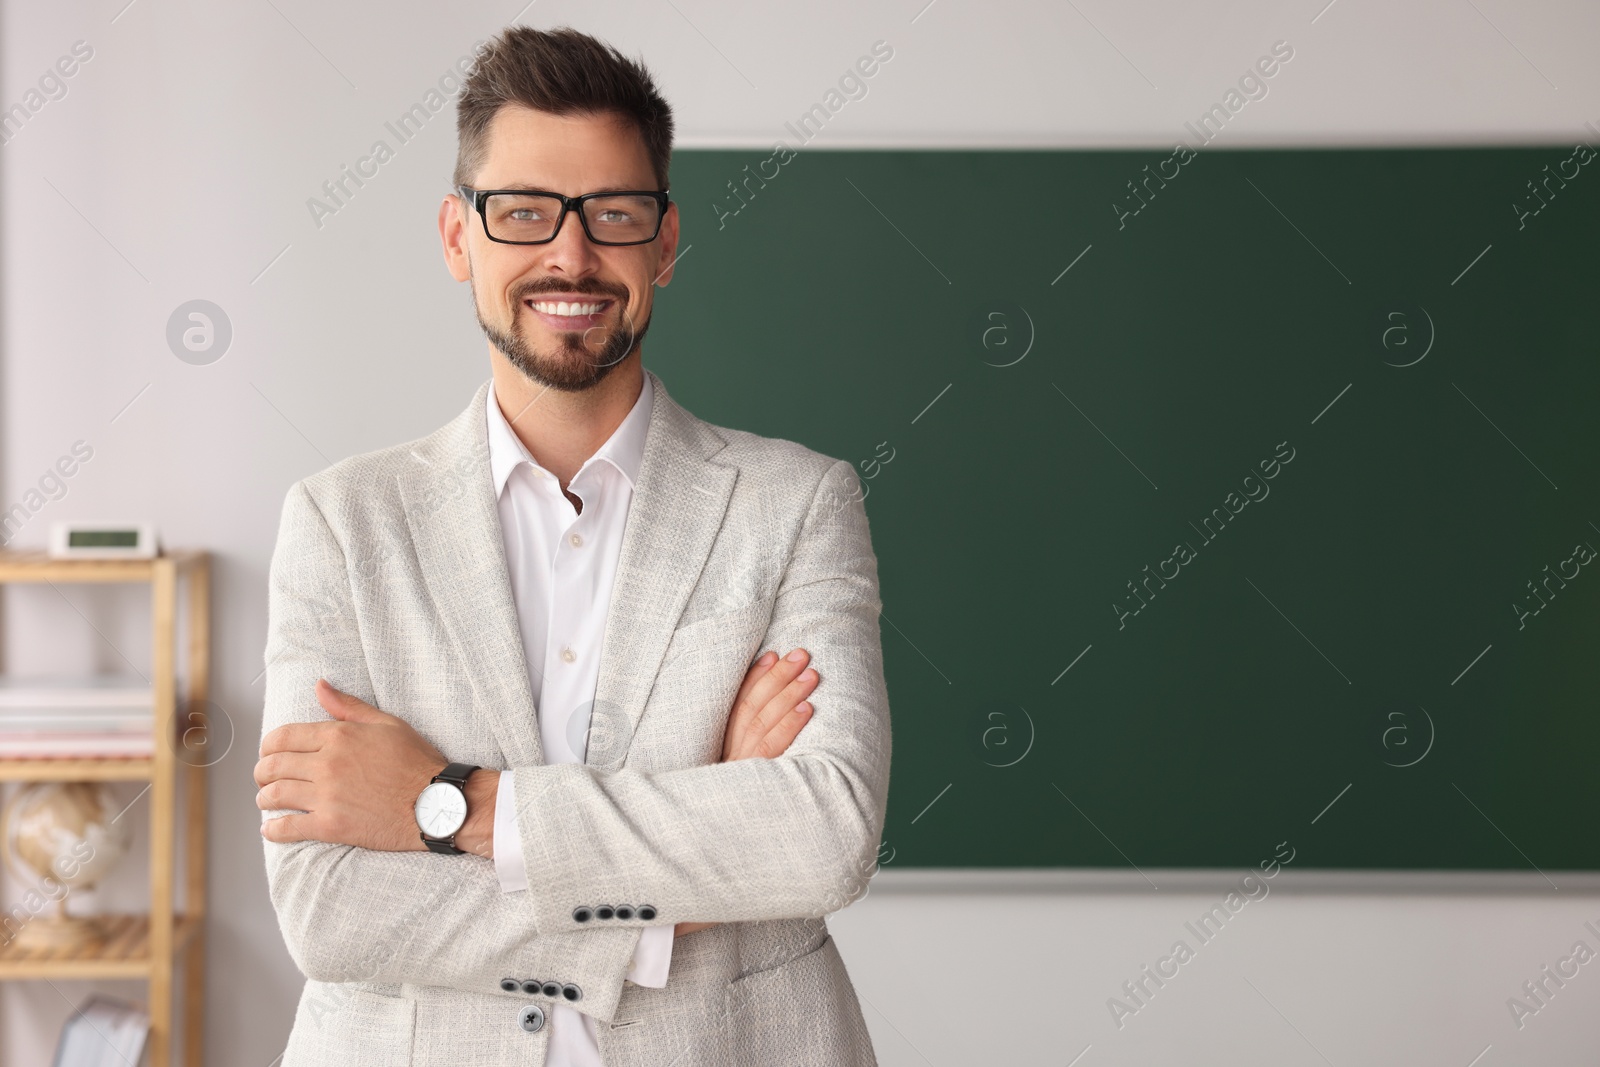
(571, 252)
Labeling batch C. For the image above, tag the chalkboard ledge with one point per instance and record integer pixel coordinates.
(902, 880)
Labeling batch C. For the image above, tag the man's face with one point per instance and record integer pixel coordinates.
(518, 290)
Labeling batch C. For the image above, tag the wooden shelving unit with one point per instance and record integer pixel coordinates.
(145, 946)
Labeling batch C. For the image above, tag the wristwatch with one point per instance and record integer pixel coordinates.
(441, 808)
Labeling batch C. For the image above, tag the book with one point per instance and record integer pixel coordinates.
(76, 745)
(104, 1032)
(76, 717)
(17, 720)
(78, 691)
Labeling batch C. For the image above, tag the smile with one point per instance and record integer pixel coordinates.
(569, 314)
(565, 310)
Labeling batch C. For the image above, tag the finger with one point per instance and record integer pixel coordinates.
(283, 765)
(784, 701)
(743, 710)
(779, 675)
(781, 736)
(750, 741)
(286, 829)
(757, 669)
(342, 705)
(762, 662)
(286, 795)
(294, 737)
(743, 731)
(757, 686)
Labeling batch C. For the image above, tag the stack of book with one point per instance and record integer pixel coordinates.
(103, 1033)
(98, 716)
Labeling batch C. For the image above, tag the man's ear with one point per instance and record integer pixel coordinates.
(453, 238)
(669, 244)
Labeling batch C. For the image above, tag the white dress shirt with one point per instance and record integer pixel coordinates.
(562, 566)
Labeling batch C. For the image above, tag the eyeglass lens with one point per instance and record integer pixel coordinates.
(525, 217)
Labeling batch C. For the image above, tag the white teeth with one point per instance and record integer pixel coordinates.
(563, 308)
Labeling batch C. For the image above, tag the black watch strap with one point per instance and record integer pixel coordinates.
(443, 846)
(456, 774)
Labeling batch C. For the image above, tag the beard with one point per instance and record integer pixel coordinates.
(572, 366)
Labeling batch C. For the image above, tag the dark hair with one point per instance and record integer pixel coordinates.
(563, 72)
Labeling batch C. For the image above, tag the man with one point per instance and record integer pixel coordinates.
(553, 845)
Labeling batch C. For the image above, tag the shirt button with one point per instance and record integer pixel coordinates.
(538, 473)
(577, 542)
(568, 655)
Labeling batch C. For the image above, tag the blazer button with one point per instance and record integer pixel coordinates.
(571, 992)
(531, 987)
(582, 914)
(551, 989)
(604, 911)
(509, 985)
(647, 912)
(531, 1018)
(624, 911)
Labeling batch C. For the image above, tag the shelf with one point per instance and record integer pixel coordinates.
(112, 769)
(35, 566)
(124, 954)
(175, 976)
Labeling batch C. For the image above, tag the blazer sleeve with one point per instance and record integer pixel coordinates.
(754, 839)
(351, 914)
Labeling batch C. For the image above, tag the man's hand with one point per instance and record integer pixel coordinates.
(768, 714)
(771, 708)
(357, 778)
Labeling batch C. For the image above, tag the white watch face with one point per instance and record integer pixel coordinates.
(441, 809)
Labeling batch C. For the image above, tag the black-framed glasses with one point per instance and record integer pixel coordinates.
(534, 217)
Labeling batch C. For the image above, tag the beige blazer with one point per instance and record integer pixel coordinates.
(389, 579)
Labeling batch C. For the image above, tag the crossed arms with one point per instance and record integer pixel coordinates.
(748, 839)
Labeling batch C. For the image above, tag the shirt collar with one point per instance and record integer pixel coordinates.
(624, 449)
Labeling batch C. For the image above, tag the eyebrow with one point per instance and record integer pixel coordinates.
(529, 187)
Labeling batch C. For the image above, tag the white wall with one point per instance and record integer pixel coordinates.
(1353, 969)
(178, 166)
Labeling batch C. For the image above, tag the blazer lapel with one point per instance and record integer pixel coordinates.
(455, 525)
(677, 510)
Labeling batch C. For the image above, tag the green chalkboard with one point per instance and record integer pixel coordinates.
(1049, 386)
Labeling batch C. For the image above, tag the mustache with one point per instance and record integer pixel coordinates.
(588, 287)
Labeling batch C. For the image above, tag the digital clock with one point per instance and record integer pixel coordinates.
(102, 540)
